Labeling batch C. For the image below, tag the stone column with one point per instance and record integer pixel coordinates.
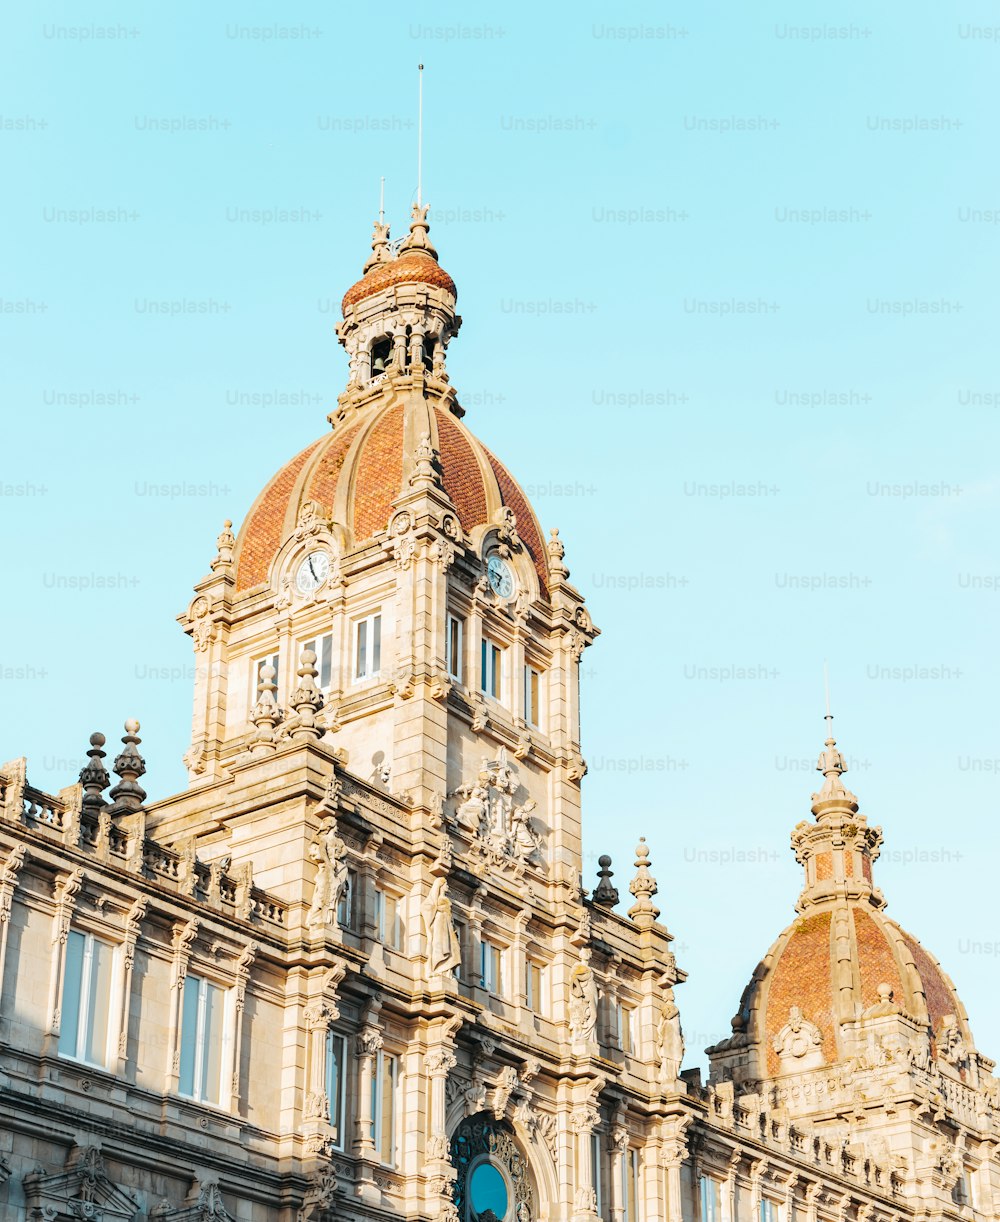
(673, 1152)
(68, 889)
(583, 1121)
(369, 1044)
(619, 1153)
(8, 881)
(439, 1063)
(132, 921)
(184, 936)
(243, 965)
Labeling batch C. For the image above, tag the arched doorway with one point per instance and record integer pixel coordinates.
(493, 1183)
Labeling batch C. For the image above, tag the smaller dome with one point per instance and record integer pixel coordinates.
(410, 267)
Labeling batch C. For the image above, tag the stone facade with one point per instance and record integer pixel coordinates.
(351, 972)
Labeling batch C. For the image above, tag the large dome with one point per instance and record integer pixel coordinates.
(843, 984)
(840, 964)
(354, 473)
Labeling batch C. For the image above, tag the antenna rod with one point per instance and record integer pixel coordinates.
(826, 686)
(381, 201)
(420, 131)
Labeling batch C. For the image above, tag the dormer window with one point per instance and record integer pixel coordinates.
(381, 355)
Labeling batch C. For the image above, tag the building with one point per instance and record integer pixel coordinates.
(351, 972)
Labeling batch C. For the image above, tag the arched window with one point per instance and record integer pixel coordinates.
(492, 1184)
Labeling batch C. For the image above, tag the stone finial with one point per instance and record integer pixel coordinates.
(224, 547)
(94, 776)
(128, 795)
(381, 252)
(424, 463)
(557, 550)
(644, 912)
(605, 892)
(417, 239)
(307, 699)
(265, 713)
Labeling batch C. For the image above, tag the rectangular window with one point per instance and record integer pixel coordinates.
(368, 647)
(336, 1084)
(626, 1028)
(711, 1199)
(768, 1210)
(491, 668)
(492, 968)
(345, 909)
(322, 647)
(532, 696)
(86, 999)
(460, 930)
(533, 980)
(631, 1186)
(202, 1023)
(389, 920)
(597, 1169)
(384, 1107)
(453, 648)
(270, 660)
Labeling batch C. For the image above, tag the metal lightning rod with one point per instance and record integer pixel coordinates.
(420, 131)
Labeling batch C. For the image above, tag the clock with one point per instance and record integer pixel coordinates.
(500, 577)
(312, 572)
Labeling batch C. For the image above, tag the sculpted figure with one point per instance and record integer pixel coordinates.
(669, 1039)
(472, 812)
(582, 1003)
(444, 953)
(329, 853)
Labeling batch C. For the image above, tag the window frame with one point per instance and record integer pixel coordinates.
(454, 657)
(347, 910)
(382, 899)
(625, 1017)
(491, 667)
(536, 1004)
(368, 622)
(84, 1014)
(493, 956)
(709, 1194)
(379, 1129)
(225, 1036)
(338, 1104)
(532, 696)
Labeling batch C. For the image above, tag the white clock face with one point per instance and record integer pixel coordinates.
(500, 577)
(312, 572)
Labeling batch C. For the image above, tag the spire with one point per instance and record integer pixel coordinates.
(94, 776)
(838, 850)
(381, 251)
(417, 241)
(605, 893)
(128, 795)
(644, 912)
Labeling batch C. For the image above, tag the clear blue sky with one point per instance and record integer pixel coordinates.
(729, 288)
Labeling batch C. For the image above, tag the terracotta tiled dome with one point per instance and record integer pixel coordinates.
(354, 474)
(843, 952)
(411, 267)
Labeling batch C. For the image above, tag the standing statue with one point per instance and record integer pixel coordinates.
(582, 1003)
(669, 1039)
(332, 885)
(444, 952)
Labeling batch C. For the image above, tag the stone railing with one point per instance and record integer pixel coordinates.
(109, 841)
(840, 1158)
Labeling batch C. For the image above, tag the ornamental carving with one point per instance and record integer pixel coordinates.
(444, 952)
(669, 1039)
(799, 1043)
(582, 1003)
(82, 1190)
(503, 831)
